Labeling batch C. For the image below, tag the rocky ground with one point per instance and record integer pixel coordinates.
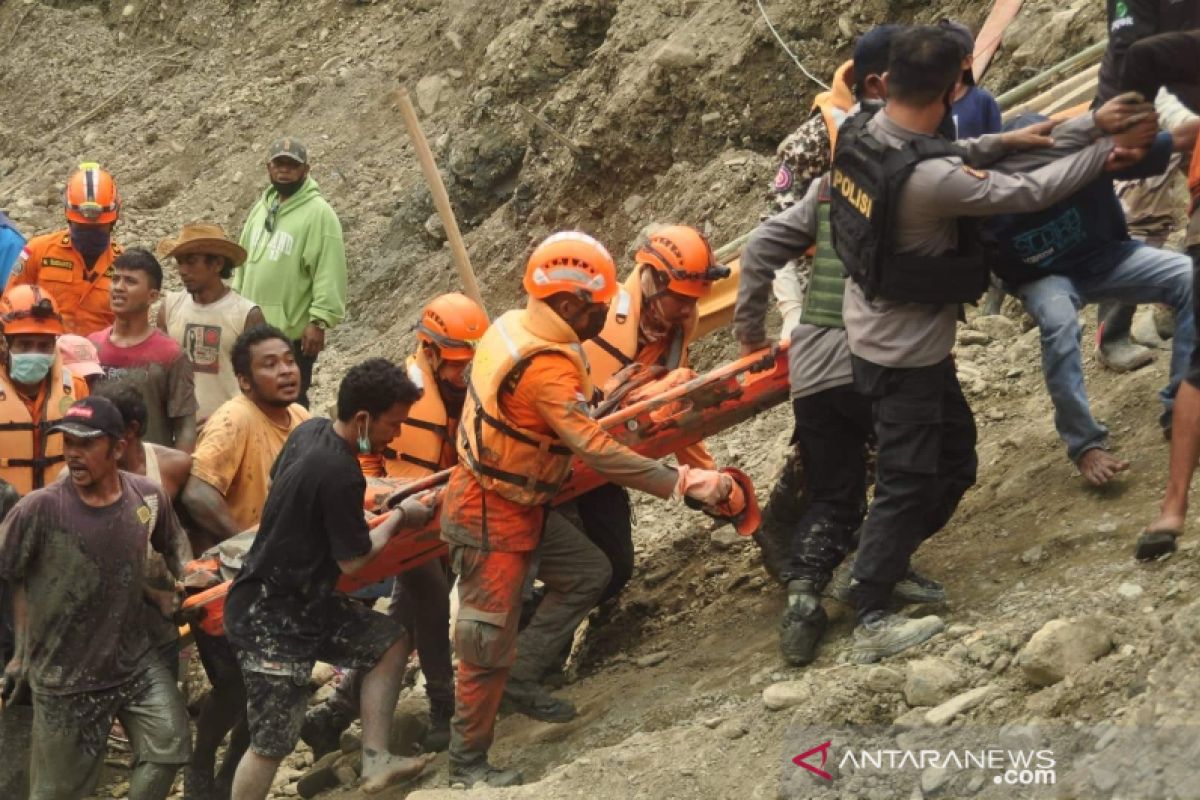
(652, 110)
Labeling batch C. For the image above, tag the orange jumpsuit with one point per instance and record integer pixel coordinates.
(492, 538)
(49, 261)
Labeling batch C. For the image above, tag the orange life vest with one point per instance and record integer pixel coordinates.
(20, 465)
(425, 443)
(521, 465)
(81, 294)
(834, 104)
(617, 345)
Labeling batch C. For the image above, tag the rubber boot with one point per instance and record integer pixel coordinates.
(438, 737)
(322, 729)
(532, 700)
(804, 622)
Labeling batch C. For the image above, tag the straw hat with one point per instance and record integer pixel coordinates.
(204, 237)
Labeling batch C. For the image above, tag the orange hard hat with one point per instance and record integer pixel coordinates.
(684, 257)
(454, 323)
(91, 196)
(27, 309)
(573, 262)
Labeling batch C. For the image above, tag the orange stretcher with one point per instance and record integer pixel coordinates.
(655, 427)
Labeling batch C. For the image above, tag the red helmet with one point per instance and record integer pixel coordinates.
(454, 323)
(27, 309)
(91, 196)
(683, 256)
(573, 262)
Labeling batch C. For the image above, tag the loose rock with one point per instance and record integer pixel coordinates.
(1062, 647)
(931, 681)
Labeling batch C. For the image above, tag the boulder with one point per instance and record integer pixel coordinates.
(1062, 647)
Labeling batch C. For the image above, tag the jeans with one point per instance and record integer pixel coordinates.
(306, 364)
(1142, 275)
(833, 428)
(926, 437)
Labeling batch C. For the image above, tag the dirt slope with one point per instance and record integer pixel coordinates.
(673, 109)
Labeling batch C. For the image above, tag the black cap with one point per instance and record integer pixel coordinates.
(871, 51)
(91, 417)
(965, 39)
(288, 147)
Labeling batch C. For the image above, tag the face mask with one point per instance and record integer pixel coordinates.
(30, 368)
(90, 242)
(594, 324)
(453, 397)
(364, 442)
(288, 189)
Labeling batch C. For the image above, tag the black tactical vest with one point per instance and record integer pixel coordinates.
(867, 177)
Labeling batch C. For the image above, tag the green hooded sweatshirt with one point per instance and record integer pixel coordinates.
(295, 269)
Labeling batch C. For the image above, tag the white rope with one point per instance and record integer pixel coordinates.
(787, 49)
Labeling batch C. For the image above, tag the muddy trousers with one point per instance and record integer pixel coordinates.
(608, 523)
(926, 462)
(421, 603)
(575, 573)
(832, 430)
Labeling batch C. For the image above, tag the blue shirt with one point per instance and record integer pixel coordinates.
(1079, 236)
(11, 244)
(975, 113)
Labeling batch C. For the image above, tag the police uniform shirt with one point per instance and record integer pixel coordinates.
(818, 358)
(939, 191)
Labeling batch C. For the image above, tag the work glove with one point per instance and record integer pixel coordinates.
(706, 486)
(417, 510)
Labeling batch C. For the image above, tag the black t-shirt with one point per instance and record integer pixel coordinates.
(312, 519)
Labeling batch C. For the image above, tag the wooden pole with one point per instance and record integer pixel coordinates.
(1039, 82)
(440, 199)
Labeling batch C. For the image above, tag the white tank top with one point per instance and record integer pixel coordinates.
(207, 333)
(152, 470)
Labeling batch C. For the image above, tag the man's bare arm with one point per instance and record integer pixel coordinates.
(208, 509)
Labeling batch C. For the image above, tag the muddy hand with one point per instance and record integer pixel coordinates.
(1099, 466)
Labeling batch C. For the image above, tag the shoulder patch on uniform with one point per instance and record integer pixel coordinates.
(975, 173)
(143, 514)
(19, 267)
(783, 178)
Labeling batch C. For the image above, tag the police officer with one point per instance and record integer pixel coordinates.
(899, 198)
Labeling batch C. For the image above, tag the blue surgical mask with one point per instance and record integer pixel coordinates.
(30, 368)
(90, 242)
(364, 442)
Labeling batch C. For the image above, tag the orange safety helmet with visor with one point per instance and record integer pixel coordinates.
(91, 197)
(454, 324)
(571, 261)
(26, 309)
(683, 256)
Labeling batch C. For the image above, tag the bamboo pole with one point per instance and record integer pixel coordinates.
(441, 200)
(1037, 83)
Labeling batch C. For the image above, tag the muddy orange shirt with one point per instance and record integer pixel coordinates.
(51, 262)
(548, 400)
(235, 453)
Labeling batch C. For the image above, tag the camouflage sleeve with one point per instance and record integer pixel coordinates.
(804, 157)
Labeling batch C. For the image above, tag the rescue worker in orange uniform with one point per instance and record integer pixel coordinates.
(525, 416)
(74, 265)
(35, 391)
(651, 322)
(450, 327)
